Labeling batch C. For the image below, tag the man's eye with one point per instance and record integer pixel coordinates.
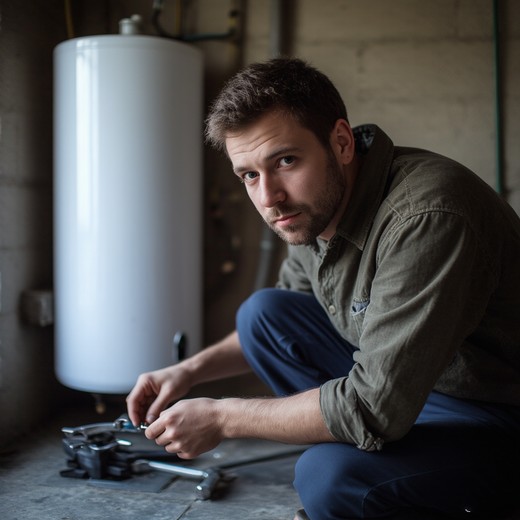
(249, 176)
(287, 160)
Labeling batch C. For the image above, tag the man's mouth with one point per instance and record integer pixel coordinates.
(286, 220)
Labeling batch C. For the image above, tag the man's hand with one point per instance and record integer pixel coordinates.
(154, 391)
(188, 428)
(194, 426)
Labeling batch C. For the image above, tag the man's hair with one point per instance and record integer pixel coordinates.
(287, 85)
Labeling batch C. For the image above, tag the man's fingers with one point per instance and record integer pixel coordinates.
(150, 418)
(160, 403)
(135, 411)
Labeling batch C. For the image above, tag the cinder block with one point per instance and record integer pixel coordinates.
(22, 269)
(25, 216)
(475, 18)
(426, 70)
(376, 20)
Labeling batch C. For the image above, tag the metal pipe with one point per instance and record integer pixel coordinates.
(275, 34)
(269, 239)
(499, 147)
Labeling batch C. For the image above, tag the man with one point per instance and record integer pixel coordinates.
(392, 340)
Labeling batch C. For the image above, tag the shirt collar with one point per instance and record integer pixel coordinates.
(377, 151)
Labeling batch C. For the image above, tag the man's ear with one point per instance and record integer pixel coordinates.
(342, 142)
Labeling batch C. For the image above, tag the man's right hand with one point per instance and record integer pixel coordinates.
(154, 391)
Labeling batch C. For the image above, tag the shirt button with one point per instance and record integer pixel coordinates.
(332, 309)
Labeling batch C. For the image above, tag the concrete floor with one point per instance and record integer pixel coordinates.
(31, 487)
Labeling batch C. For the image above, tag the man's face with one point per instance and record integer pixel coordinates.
(297, 185)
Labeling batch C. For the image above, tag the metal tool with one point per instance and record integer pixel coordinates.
(96, 452)
(209, 479)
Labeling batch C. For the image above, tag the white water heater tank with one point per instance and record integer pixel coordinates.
(128, 208)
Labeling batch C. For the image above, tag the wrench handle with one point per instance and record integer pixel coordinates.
(208, 478)
(207, 485)
(181, 471)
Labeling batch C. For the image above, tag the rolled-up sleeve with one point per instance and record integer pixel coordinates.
(334, 395)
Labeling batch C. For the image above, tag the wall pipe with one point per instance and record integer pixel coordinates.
(499, 147)
(275, 35)
(155, 19)
(269, 239)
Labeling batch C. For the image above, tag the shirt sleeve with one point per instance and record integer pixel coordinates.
(429, 291)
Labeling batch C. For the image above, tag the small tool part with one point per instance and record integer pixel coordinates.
(88, 431)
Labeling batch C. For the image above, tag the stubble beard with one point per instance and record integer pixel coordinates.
(318, 215)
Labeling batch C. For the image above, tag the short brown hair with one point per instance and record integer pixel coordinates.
(289, 85)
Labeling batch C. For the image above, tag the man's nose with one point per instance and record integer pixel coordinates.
(272, 191)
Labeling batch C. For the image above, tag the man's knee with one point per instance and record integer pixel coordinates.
(329, 486)
(259, 304)
(338, 481)
(254, 316)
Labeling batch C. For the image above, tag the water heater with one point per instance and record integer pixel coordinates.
(128, 208)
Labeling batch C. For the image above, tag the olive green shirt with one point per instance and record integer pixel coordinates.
(423, 276)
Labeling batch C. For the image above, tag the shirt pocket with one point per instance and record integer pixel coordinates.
(357, 314)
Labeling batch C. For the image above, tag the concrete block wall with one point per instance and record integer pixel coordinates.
(421, 69)
(27, 35)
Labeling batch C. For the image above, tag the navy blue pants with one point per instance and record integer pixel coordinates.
(457, 460)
